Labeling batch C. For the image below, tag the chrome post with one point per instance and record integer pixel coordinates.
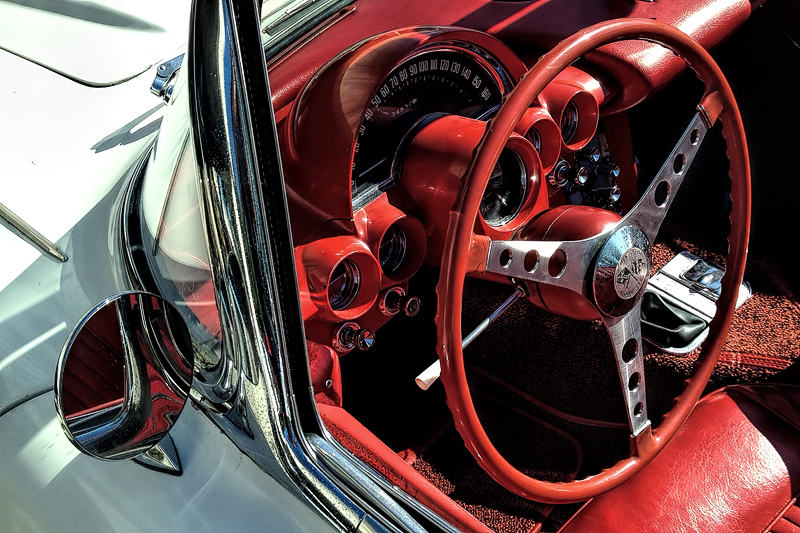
(28, 233)
(251, 256)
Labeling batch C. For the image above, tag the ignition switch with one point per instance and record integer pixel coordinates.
(559, 176)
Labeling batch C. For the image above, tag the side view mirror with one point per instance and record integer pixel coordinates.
(123, 378)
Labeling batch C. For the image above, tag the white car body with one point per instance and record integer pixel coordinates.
(66, 148)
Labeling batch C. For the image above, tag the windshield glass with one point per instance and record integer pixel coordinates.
(172, 232)
(285, 21)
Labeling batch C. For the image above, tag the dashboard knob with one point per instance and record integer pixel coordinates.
(579, 175)
(394, 300)
(364, 339)
(391, 301)
(610, 169)
(350, 335)
(593, 155)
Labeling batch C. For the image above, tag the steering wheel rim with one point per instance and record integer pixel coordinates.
(463, 251)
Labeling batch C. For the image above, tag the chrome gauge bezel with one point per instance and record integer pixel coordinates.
(351, 284)
(570, 121)
(535, 138)
(392, 249)
(521, 178)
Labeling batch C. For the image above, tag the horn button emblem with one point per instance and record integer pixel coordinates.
(630, 273)
(621, 271)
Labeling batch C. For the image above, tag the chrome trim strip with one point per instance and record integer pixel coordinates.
(27, 233)
(389, 487)
(131, 266)
(341, 465)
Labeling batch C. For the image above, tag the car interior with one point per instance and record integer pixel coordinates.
(448, 171)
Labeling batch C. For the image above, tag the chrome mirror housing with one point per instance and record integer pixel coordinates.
(123, 379)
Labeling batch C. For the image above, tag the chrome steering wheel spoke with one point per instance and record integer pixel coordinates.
(626, 337)
(559, 263)
(649, 212)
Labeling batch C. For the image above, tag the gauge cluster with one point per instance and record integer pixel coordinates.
(376, 146)
(442, 79)
(360, 280)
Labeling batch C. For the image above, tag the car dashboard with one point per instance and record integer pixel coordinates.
(372, 165)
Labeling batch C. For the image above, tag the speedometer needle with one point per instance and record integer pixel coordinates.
(370, 169)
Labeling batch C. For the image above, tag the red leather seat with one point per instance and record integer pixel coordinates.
(734, 466)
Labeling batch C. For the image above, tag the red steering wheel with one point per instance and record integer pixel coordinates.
(609, 269)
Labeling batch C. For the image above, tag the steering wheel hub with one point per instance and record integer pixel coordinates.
(621, 271)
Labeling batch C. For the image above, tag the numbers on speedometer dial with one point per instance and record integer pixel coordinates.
(446, 79)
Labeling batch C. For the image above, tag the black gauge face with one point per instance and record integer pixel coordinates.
(569, 121)
(535, 138)
(344, 284)
(446, 80)
(392, 249)
(505, 193)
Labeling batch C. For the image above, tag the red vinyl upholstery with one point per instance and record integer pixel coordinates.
(95, 374)
(733, 467)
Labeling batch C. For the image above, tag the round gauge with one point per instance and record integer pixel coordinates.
(446, 79)
(392, 249)
(535, 138)
(343, 285)
(505, 193)
(569, 121)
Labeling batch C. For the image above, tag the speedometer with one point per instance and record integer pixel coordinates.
(445, 79)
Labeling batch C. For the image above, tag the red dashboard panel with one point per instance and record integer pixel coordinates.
(529, 28)
(639, 68)
(320, 133)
